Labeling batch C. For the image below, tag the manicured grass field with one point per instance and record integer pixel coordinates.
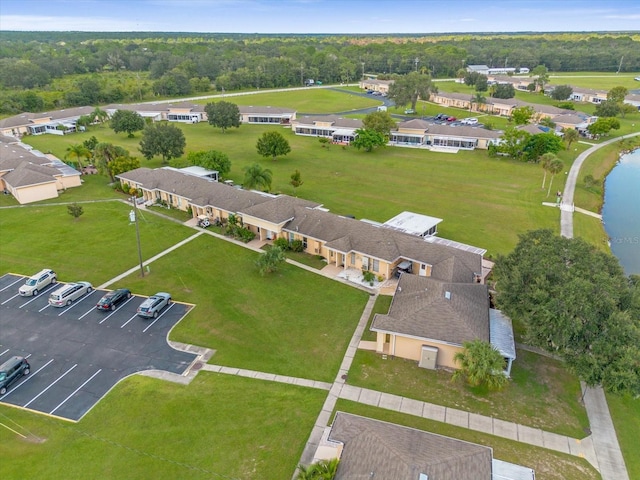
(541, 394)
(308, 101)
(217, 427)
(548, 465)
(96, 247)
(625, 412)
(484, 201)
(292, 322)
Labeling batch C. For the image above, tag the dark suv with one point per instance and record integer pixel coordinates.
(11, 371)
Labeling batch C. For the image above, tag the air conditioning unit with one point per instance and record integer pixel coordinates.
(428, 357)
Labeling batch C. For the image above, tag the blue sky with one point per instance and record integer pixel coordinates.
(321, 16)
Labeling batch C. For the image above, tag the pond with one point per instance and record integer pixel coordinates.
(621, 211)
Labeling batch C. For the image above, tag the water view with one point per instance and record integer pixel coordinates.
(621, 211)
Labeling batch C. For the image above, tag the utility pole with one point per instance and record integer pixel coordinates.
(302, 73)
(416, 62)
(362, 70)
(620, 66)
(133, 217)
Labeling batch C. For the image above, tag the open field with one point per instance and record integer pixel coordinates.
(541, 394)
(96, 247)
(217, 427)
(548, 465)
(307, 101)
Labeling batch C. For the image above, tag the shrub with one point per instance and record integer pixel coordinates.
(368, 276)
(297, 246)
(282, 243)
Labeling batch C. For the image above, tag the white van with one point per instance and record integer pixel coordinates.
(69, 293)
(469, 121)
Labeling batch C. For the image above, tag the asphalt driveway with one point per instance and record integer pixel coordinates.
(77, 354)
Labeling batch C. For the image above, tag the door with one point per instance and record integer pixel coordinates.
(423, 269)
(365, 263)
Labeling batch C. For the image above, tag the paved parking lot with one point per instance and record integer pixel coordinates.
(77, 354)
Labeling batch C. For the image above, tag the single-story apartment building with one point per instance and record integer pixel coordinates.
(420, 133)
(339, 129)
(374, 449)
(429, 321)
(376, 85)
(344, 242)
(31, 176)
(266, 115)
(57, 122)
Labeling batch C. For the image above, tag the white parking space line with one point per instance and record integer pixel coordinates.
(50, 385)
(29, 377)
(125, 323)
(86, 313)
(19, 280)
(2, 353)
(50, 286)
(107, 317)
(76, 303)
(159, 317)
(9, 299)
(74, 392)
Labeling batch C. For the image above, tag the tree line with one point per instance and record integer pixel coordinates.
(181, 64)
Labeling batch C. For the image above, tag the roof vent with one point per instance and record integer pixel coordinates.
(447, 295)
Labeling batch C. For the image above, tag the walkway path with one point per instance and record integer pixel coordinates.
(603, 433)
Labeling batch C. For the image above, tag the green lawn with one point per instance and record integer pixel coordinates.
(96, 247)
(484, 201)
(548, 465)
(307, 101)
(383, 302)
(292, 322)
(541, 394)
(625, 412)
(217, 427)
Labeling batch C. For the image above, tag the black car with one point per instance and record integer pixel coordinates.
(112, 299)
(12, 370)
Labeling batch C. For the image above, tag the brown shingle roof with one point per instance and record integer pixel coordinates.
(381, 450)
(420, 309)
(346, 235)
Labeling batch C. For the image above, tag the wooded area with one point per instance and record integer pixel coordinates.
(172, 64)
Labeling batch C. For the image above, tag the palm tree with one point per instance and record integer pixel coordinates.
(555, 167)
(545, 161)
(257, 177)
(78, 151)
(570, 136)
(99, 115)
(104, 153)
(322, 470)
(481, 364)
(478, 99)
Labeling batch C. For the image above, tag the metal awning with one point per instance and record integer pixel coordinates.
(501, 333)
(344, 132)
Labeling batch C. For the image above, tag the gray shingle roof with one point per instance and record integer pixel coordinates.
(27, 174)
(29, 118)
(333, 120)
(278, 210)
(346, 235)
(199, 191)
(420, 309)
(244, 109)
(381, 450)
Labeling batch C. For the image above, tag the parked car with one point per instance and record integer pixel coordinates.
(12, 370)
(409, 111)
(469, 121)
(67, 294)
(441, 116)
(153, 305)
(451, 119)
(37, 282)
(112, 299)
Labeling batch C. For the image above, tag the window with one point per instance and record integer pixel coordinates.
(376, 265)
(304, 243)
(353, 258)
(291, 237)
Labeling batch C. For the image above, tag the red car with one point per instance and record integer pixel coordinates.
(451, 119)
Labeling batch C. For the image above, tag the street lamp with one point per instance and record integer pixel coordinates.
(133, 217)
